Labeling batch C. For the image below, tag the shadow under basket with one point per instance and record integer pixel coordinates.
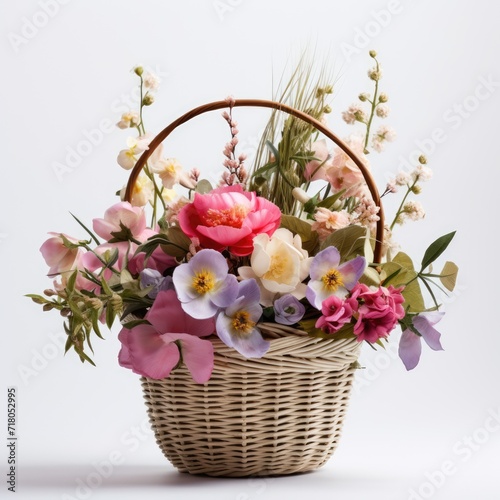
(277, 415)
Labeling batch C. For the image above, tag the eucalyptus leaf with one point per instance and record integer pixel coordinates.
(449, 275)
(203, 187)
(349, 241)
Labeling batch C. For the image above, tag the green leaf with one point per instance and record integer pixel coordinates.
(330, 200)
(262, 174)
(95, 324)
(179, 243)
(91, 234)
(105, 288)
(37, 299)
(303, 229)
(436, 249)
(203, 187)
(70, 285)
(449, 275)
(349, 241)
(110, 316)
(275, 152)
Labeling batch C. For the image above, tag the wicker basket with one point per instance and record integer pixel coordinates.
(280, 414)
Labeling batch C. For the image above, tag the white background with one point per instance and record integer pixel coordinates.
(65, 74)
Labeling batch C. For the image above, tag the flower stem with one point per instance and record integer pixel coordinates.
(400, 209)
(373, 103)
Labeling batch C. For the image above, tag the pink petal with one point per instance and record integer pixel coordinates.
(198, 354)
(166, 314)
(224, 235)
(149, 355)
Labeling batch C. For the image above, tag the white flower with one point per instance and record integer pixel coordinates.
(128, 120)
(403, 179)
(127, 158)
(382, 135)
(151, 81)
(422, 173)
(413, 210)
(279, 265)
(170, 172)
(169, 195)
(353, 114)
(142, 193)
(382, 111)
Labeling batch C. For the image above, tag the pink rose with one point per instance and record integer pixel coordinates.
(378, 312)
(229, 217)
(336, 313)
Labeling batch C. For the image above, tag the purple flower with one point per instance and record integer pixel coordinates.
(288, 310)
(329, 277)
(410, 345)
(204, 286)
(151, 277)
(236, 325)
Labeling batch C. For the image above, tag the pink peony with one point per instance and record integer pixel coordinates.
(378, 312)
(229, 217)
(336, 313)
(154, 350)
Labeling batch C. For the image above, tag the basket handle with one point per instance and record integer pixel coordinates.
(213, 106)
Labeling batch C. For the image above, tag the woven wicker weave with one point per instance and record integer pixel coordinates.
(280, 414)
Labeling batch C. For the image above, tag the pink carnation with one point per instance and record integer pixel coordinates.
(336, 313)
(378, 312)
(229, 217)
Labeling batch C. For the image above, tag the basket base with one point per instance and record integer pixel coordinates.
(289, 431)
(277, 415)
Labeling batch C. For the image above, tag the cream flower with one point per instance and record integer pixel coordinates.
(169, 170)
(279, 265)
(142, 193)
(130, 119)
(151, 81)
(127, 158)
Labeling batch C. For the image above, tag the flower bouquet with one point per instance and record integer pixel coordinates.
(243, 306)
